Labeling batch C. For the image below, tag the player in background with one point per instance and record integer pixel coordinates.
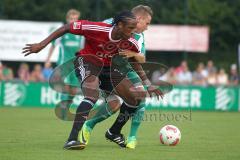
(69, 45)
(143, 15)
(93, 65)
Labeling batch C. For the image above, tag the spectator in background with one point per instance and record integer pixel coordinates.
(156, 76)
(212, 78)
(185, 76)
(199, 76)
(36, 74)
(180, 68)
(170, 76)
(222, 77)
(211, 68)
(47, 71)
(23, 72)
(204, 71)
(7, 73)
(234, 76)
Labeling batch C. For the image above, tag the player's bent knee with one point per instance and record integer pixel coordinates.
(114, 102)
(114, 106)
(138, 93)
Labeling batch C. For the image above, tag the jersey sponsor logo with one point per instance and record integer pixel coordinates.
(76, 25)
(112, 47)
(109, 47)
(103, 55)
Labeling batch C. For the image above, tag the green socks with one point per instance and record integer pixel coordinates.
(99, 114)
(136, 121)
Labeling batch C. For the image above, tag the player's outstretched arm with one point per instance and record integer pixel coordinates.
(37, 47)
(152, 90)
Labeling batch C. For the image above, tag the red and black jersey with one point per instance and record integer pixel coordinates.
(98, 40)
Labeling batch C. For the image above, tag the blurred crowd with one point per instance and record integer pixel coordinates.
(203, 75)
(39, 73)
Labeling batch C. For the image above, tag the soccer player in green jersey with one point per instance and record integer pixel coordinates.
(103, 111)
(69, 45)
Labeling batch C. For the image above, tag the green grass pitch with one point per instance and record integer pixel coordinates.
(36, 134)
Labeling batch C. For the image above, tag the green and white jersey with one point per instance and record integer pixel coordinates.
(139, 37)
(69, 45)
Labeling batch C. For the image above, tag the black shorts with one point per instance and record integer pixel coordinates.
(109, 77)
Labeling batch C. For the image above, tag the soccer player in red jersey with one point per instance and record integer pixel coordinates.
(103, 41)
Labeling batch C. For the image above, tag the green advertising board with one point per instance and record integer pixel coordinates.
(30, 95)
(19, 94)
(199, 98)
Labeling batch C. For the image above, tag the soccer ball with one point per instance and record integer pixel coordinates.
(170, 135)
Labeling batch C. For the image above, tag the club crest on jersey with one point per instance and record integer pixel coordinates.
(76, 25)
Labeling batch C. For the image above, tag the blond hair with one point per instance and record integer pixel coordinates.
(73, 12)
(142, 10)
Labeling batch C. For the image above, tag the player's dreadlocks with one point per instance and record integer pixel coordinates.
(123, 16)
